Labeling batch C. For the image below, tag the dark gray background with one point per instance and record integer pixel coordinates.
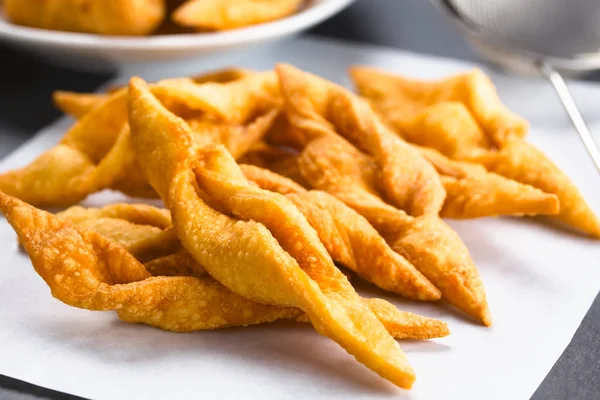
(26, 84)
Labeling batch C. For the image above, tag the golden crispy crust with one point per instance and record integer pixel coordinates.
(426, 241)
(473, 192)
(88, 271)
(349, 238)
(231, 14)
(96, 153)
(316, 108)
(77, 104)
(115, 17)
(401, 99)
(268, 252)
(462, 117)
(144, 231)
(85, 270)
(523, 162)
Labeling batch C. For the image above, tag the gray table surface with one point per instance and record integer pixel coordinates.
(27, 82)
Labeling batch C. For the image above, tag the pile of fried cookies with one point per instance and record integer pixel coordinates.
(271, 183)
(145, 17)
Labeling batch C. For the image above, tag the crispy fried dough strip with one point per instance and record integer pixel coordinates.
(234, 102)
(317, 107)
(232, 14)
(349, 238)
(220, 178)
(85, 270)
(238, 138)
(400, 324)
(400, 99)
(449, 128)
(115, 17)
(92, 156)
(523, 162)
(463, 118)
(427, 242)
(77, 104)
(473, 192)
(354, 243)
(96, 153)
(244, 254)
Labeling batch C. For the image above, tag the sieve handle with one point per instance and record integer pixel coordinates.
(571, 107)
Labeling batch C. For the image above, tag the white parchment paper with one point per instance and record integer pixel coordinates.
(540, 283)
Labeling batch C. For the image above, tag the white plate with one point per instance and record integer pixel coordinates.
(96, 51)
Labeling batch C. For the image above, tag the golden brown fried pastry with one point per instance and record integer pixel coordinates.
(349, 238)
(456, 130)
(401, 99)
(96, 153)
(180, 263)
(317, 107)
(93, 155)
(235, 102)
(86, 270)
(221, 75)
(114, 17)
(254, 242)
(330, 163)
(333, 165)
(525, 163)
(77, 104)
(144, 231)
(231, 14)
(473, 192)
(238, 138)
(134, 217)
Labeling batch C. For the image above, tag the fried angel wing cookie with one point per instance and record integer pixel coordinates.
(93, 155)
(463, 118)
(78, 104)
(400, 324)
(473, 192)
(96, 152)
(254, 242)
(231, 14)
(115, 17)
(317, 107)
(401, 99)
(523, 162)
(334, 166)
(349, 238)
(86, 270)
